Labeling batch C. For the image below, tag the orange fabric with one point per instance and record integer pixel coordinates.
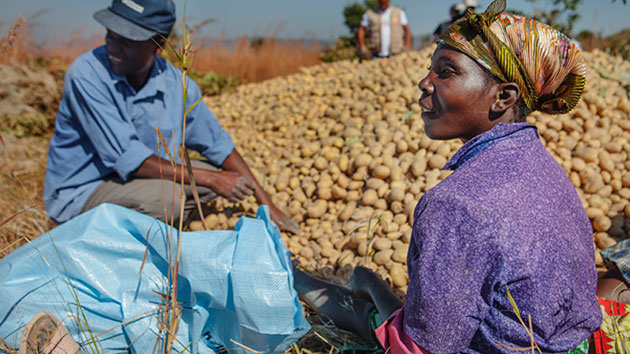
(614, 334)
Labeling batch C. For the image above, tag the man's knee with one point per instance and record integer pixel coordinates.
(157, 198)
(164, 205)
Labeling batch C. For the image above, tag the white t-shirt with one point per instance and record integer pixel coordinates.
(386, 30)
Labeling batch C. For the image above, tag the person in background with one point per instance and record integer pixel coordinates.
(456, 11)
(116, 98)
(387, 29)
(468, 4)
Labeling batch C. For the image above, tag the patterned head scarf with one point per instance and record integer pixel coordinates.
(546, 64)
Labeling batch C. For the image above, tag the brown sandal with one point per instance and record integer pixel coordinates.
(45, 334)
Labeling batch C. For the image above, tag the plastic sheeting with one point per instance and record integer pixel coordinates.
(234, 286)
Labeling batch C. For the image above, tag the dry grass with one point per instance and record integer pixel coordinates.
(18, 46)
(251, 60)
(257, 60)
(22, 167)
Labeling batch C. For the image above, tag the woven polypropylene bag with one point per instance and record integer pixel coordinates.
(235, 287)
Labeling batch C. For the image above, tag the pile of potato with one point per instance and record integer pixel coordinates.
(341, 149)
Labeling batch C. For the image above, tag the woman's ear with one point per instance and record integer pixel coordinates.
(507, 97)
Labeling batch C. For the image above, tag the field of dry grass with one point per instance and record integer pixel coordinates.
(22, 215)
(256, 60)
(248, 59)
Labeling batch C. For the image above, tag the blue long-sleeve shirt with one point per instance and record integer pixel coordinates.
(105, 128)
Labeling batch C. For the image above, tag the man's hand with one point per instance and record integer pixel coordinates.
(284, 222)
(232, 185)
(234, 162)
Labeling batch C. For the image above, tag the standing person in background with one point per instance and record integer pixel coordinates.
(386, 26)
(455, 12)
(469, 4)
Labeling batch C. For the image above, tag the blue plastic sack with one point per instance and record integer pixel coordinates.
(234, 286)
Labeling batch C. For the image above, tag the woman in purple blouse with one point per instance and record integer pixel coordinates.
(507, 219)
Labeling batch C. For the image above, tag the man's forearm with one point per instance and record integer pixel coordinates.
(151, 168)
(407, 37)
(361, 37)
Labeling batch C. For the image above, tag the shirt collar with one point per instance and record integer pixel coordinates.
(482, 141)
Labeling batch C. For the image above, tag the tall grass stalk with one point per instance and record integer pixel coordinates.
(171, 309)
(4, 346)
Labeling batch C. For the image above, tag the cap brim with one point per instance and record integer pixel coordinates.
(122, 26)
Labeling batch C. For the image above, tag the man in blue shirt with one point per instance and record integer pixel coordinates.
(116, 97)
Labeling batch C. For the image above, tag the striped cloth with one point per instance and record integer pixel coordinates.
(546, 64)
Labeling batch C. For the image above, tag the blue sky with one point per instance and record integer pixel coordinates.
(321, 19)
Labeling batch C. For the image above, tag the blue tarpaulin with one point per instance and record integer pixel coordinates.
(234, 286)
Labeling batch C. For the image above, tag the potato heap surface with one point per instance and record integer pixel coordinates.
(341, 149)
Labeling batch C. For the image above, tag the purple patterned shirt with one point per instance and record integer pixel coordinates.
(507, 215)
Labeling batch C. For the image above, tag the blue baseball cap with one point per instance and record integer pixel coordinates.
(138, 20)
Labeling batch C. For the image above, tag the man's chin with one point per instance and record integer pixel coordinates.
(117, 68)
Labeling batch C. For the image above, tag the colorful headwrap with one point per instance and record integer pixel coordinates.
(546, 64)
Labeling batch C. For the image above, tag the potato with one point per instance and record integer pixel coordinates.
(317, 209)
(602, 223)
(396, 173)
(325, 193)
(196, 225)
(338, 192)
(369, 197)
(362, 160)
(329, 252)
(380, 204)
(347, 211)
(352, 196)
(382, 244)
(346, 257)
(400, 254)
(306, 252)
(604, 241)
(593, 213)
(357, 238)
(578, 164)
(397, 194)
(398, 276)
(362, 248)
(381, 172)
(588, 154)
(343, 163)
(382, 257)
(419, 166)
(437, 161)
